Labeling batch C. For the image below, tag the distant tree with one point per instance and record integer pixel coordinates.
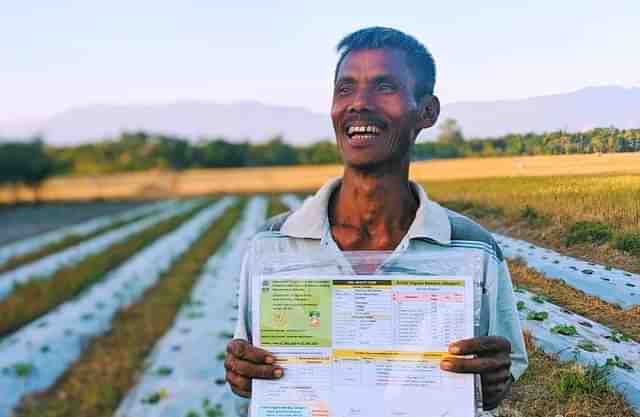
(450, 133)
(25, 163)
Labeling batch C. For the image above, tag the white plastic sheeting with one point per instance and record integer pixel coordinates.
(609, 284)
(33, 358)
(593, 343)
(291, 201)
(183, 364)
(32, 244)
(45, 267)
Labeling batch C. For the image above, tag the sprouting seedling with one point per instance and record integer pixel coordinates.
(519, 290)
(221, 356)
(587, 345)
(220, 381)
(537, 315)
(164, 371)
(619, 362)
(156, 397)
(520, 305)
(195, 315)
(617, 337)
(86, 316)
(23, 369)
(212, 411)
(565, 330)
(45, 349)
(540, 299)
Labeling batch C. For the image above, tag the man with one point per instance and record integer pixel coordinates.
(383, 97)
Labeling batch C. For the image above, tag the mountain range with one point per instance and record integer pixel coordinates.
(575, 111)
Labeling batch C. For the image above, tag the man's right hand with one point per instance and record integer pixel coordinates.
(245, 362)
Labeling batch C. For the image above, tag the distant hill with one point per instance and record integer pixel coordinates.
(580, 110)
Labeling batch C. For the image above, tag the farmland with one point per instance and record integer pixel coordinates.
(129, 314)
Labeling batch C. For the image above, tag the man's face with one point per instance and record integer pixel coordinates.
(374, 110)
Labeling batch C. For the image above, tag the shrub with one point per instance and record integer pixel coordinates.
(628, 242)
(588, 232)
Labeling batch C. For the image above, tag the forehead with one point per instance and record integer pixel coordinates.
(370, 63)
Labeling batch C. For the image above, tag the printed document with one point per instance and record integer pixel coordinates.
(362, 345)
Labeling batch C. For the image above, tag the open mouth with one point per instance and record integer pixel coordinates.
(363, 134)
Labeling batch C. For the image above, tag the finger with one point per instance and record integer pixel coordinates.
(479, 365)
(480, 345)
(499, 376)
(244, 350)
(238, 382)
(251, 370)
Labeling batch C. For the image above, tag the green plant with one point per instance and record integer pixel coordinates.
(23, 369)
(164, 371)
(588, 232)
(155, 397)
(617, 361)
(628, 242)
(587, 345)
(537, 315)
(532, 216)
(540, 299)
(617, 337)
(579, 381)
(565, 329)
(520, 305)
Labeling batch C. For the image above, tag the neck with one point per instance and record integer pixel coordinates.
(372, 211)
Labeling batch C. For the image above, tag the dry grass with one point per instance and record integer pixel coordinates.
(67, 242)
(35, 298)
(112, 363)
(549, 388)
(307, 178)
(625, 321)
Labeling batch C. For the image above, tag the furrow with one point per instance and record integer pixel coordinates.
(561, 332)
(612, 285)
(48, 266)
(35, 243)
(33, 358)
(183, 368)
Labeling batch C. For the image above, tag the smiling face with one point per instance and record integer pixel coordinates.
(375, 114)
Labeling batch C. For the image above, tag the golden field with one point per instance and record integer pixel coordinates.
(307, 178)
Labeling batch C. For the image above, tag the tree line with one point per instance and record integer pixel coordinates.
(30, 162)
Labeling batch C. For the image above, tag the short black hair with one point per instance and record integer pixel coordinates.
(418, 56)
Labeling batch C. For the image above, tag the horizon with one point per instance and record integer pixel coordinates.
(488, 52)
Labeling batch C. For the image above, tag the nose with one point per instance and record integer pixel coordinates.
(361, 102)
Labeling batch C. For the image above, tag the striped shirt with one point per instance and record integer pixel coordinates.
(434, 231)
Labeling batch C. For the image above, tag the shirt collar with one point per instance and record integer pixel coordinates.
(311, 219)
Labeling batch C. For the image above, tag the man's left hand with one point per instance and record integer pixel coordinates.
(492, 361)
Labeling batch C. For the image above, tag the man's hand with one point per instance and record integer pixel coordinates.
(245, 362)
(491, 361)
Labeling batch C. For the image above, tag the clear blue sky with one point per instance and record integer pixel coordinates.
(59, 54)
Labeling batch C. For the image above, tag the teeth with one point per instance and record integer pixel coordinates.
(363, 129)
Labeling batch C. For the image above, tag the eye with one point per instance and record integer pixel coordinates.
(344, 89)
(386, 87)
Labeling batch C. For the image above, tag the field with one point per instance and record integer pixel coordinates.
(308, 178)
(127, 311)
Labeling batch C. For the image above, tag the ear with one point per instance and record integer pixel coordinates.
(429, 112)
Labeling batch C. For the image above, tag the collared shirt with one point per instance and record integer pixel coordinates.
(435, 231)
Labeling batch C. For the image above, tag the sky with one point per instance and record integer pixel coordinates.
(55, 55)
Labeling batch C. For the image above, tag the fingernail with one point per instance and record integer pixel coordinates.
(269, 360)
(445, 363)
(455, 349)
(277, 373)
